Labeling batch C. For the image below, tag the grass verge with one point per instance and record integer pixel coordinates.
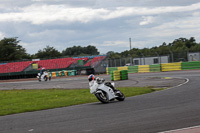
(18, 101)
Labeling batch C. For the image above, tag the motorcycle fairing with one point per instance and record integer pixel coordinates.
(108, 90)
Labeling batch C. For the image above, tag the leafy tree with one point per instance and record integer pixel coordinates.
(110, 53)
(179, 46)
(78, 50)
(48, 52)
(195, 48)
(10, 50)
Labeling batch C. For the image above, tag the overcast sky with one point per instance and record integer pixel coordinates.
(106, 24)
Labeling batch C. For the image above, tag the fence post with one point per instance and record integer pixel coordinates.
(172, 55)
(159, 58)
(143, 58)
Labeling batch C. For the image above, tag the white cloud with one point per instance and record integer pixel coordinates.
(40, 14)
(106, 25)
(115, 43)
(196, 14)
(180, 26)
(146, 20)
(32, 47)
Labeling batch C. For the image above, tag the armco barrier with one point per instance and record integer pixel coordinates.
(143, 68)
(171, 66)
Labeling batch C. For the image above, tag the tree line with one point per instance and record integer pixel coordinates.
(179, 47)
(10, 50)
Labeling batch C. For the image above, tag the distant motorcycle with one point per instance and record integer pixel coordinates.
(104, 93)
(42, 77)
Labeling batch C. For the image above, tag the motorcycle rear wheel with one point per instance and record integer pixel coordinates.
(102, 98)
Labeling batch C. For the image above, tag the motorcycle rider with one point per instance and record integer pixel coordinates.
(42, 71)
(92, 79)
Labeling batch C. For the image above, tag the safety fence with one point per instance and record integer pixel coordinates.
(157, 67)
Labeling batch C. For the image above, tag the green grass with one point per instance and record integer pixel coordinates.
(18, 101)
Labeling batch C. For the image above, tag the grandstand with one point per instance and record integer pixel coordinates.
(27, 69)
(95, 60)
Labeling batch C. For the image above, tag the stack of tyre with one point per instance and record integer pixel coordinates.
(115, 75)
(124, 74)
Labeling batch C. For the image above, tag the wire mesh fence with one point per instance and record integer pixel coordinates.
(171, 57)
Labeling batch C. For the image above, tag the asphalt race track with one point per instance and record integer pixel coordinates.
(170, 109)
(78, 82)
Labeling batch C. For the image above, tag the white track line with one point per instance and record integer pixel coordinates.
(177, 130)
(187, 80)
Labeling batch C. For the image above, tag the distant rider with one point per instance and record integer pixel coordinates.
(92, 79)
(42, 71)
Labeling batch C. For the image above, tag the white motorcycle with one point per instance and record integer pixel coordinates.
(42, 77)
(104, 93)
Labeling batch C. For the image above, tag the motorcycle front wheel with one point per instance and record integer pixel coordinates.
(120, 97)
(45, 78)
(102, 97)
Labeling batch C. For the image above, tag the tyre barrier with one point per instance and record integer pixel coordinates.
(171, 66)
(132, 69)
(119, 75)
(143, 68)
(190, 65)
(72, 73)
(124, 74)
(115, 75)
(110, 69)
(154, 68)
(66, 73)
(122, 68)
(53, 74)
(177, 66)
(62, 73)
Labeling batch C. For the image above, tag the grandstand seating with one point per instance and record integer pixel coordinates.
(14, 66)
(58, 63)
(95, 60)
(47, 64)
